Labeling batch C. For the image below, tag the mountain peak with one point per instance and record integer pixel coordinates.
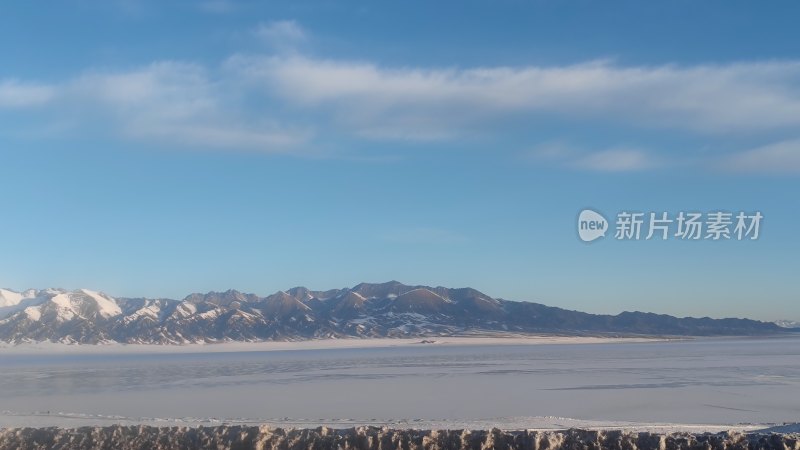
(371, 290)
(390, 309)
(221, 298)
(420, 300)
(10, 298)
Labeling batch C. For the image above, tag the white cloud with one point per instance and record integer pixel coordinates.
(779, 157)
(275, 103)
(160, 91)
(175, 102)
(745, 97)
(617, 160)
(553, 152)
(282, 34)
(14, 94)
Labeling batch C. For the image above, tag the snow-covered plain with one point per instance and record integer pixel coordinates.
(42, 348)
(694, 385)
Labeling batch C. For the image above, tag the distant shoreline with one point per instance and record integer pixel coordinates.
(66, 421)
(317, 344)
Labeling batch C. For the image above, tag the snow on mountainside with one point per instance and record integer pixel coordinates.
(9, 298)
(12, 302)
(787, 323)
(367, 310)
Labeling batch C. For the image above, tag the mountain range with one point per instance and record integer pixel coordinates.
(389, 309)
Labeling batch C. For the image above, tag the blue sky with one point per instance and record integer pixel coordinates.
(163, 148)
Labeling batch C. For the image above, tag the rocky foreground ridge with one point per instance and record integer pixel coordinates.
(373, 438)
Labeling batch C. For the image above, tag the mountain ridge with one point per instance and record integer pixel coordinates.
(367, 310)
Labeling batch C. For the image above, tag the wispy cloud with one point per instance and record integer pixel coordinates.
(618, 159)
(779, 157)
(282, 101)
(178, 103)
(281, 35)
(162, 91)
(15, 94)
(745, 97)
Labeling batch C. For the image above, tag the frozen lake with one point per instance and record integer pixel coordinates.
(708, 381)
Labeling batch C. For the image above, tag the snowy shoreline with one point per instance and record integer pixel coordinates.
(41, 348)
(13, 419)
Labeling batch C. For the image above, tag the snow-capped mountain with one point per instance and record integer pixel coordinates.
(367, 310)
(787, 323)
(77, 316)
